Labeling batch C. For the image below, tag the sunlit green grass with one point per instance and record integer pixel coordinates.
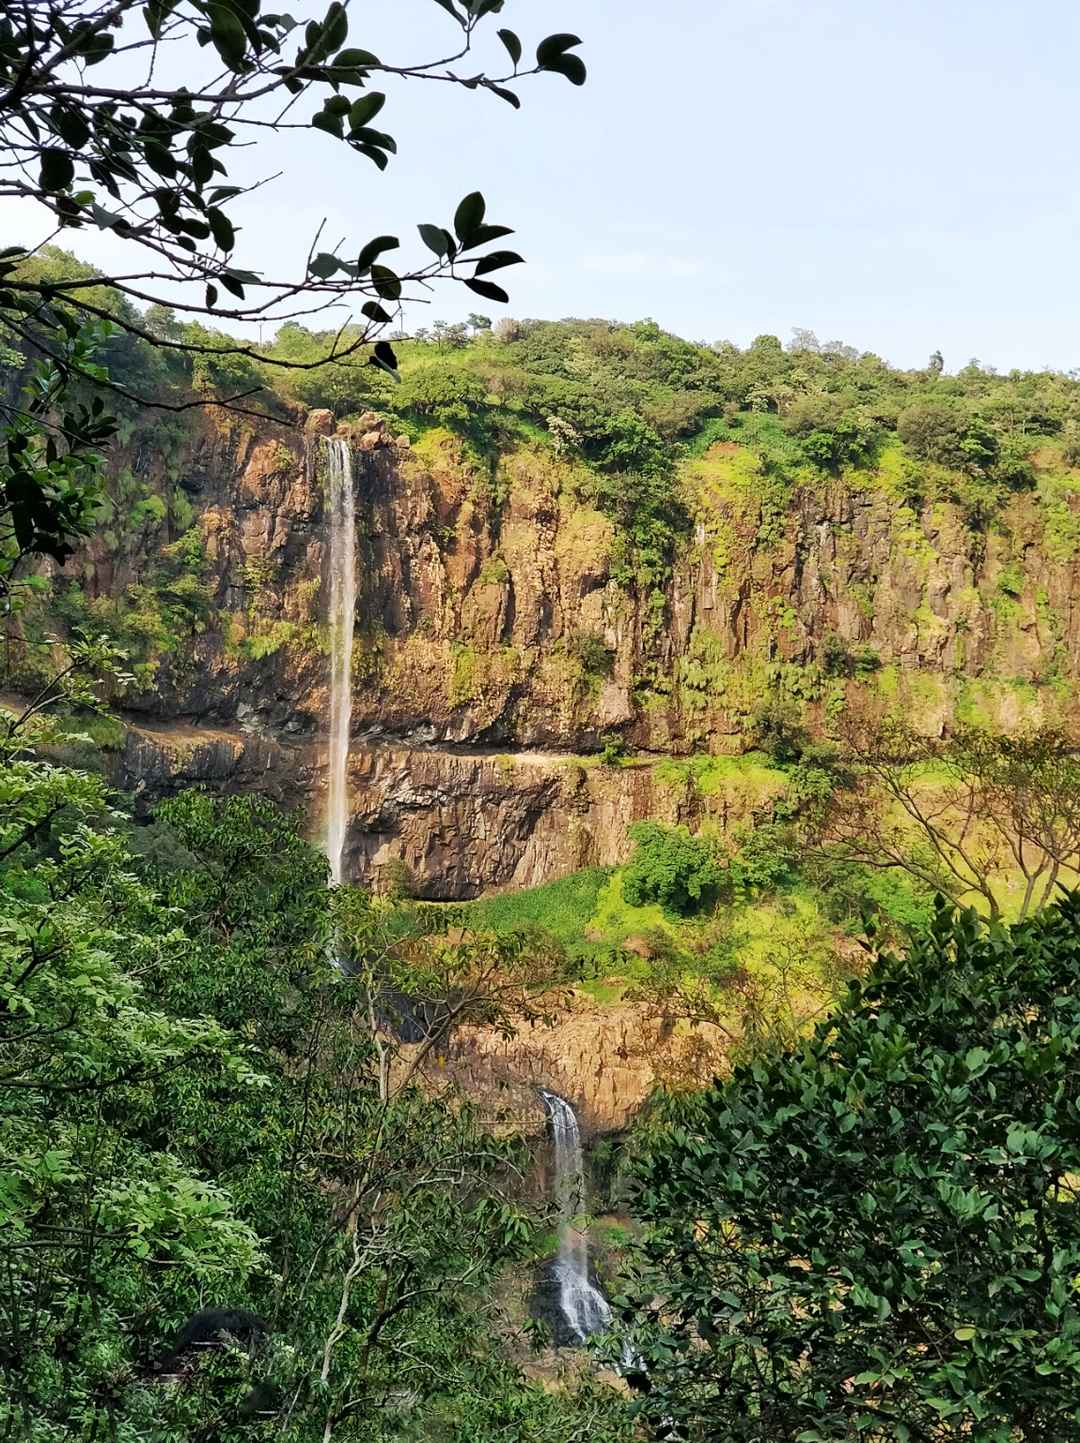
(563, 907)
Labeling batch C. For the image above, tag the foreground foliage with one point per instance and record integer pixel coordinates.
(878, 1235)
(197, 1109)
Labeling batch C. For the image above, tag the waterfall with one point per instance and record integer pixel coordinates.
(341, 509)
(583, 1306)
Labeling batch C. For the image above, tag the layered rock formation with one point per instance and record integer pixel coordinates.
(499, 634)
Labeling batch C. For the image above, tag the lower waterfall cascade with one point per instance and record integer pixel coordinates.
(341, 513)
(582, 1304)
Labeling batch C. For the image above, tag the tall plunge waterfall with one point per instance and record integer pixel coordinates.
(341, 508)
(583, 1306)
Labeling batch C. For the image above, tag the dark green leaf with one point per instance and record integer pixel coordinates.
(469, 216)
(221, 228)
(384, 354)
(227, 33)
(155, 13)
(335, 27)
(159, 159)
(496, 260)
(72, 126)
(378, 138)
(57, 169)
(387, 285)
(572, 66)
(554, 46)
(375, 248)
(380, 157)
(332, 124)
(324, 265)
(513, 45)
(353, 60)
(504, 94)
(485, 234)
(488, 290)
(435, 238)
(365, 109)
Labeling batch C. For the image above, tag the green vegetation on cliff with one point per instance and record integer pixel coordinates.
(792, 526)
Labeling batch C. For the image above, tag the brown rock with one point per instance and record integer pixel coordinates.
(319, 423)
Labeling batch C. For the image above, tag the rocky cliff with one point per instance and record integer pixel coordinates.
(499, 635)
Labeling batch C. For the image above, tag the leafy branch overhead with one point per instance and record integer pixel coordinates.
(150, 161)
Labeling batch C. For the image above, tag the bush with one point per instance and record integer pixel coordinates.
(1070, 451)
(444, 392)
(839, 659)
(776, 727)
(671, 867)
(344, 387)
(766, 859)
(594, 655)
(832, 432)
(612, 750)
(878, 1235)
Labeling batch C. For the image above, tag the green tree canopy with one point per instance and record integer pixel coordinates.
(877, 1235)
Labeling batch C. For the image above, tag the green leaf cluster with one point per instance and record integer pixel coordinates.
(877, 1234)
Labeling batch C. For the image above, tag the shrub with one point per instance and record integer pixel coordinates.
(766, 859)
(612, 750)
(1070, 451)
(839, 659)
(671, 867)
(443, 391)
(833, 433)
(595, 656)
(776, 727)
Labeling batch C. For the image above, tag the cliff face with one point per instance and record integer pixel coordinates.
(498, 632)
(499, 637)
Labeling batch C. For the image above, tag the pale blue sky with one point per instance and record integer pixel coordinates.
(901, 177)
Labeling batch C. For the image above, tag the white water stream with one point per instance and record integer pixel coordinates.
(341, 511)
(583, 1305)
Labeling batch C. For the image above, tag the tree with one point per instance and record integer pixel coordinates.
(94, 1198)
(479, 323)
(977, 815)
(951, 435)
(445, 393)
(148, 160)
(878, 1235)
(345, 387)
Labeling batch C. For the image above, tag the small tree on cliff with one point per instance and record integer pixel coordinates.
(878, 1235)
(98, 132)
(976, 816)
